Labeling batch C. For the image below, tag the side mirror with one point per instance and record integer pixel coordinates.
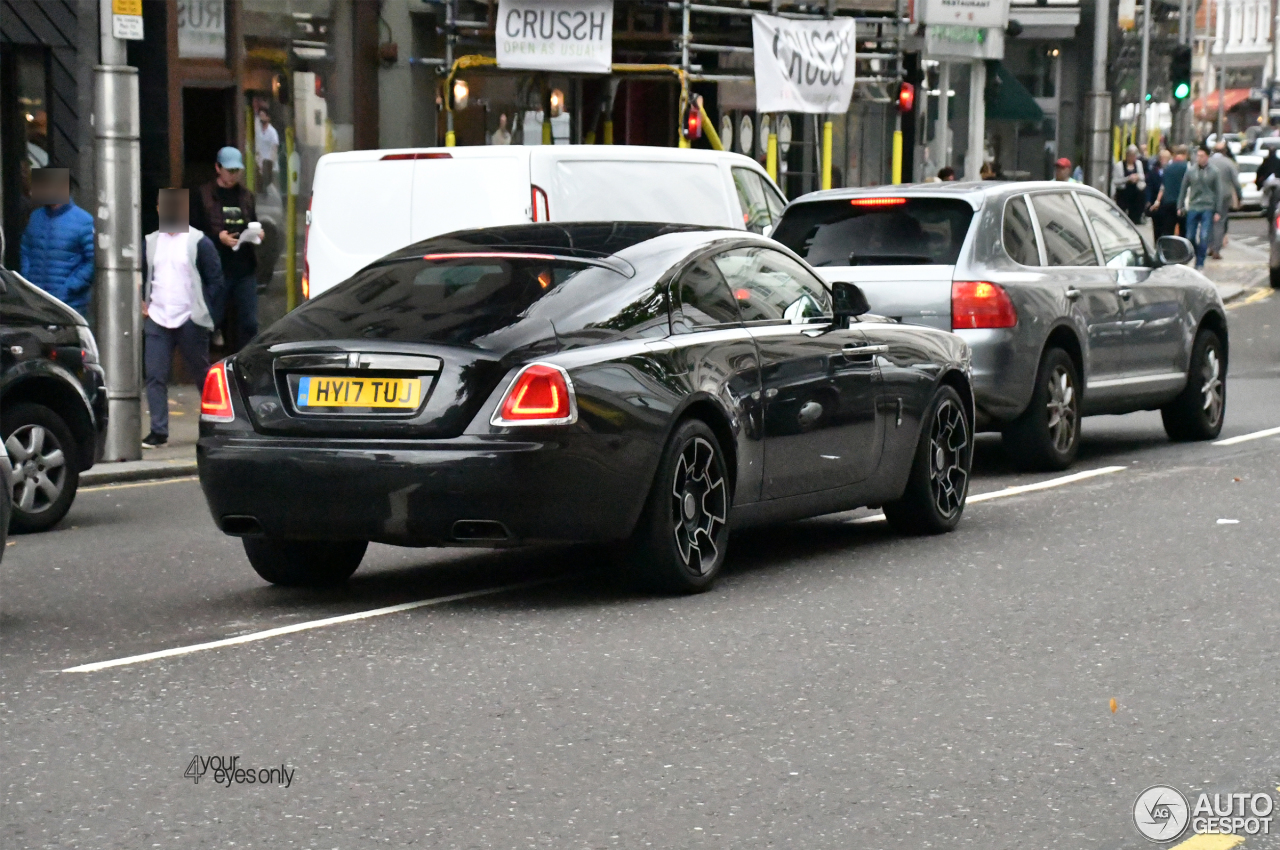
(1174, 251)
(848, 301)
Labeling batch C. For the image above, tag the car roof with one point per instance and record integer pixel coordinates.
(975, 191)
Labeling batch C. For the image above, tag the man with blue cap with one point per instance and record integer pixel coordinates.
(224, 210)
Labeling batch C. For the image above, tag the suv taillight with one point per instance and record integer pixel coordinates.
(215, 401)
(541, 394)
(979, 304)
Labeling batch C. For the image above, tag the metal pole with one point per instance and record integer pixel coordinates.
(826, 152)
(1097, 170)
(977, 123)
(1143, 76)
(1208, 58)
(943, 133)
(1222, 62)
(118, 229)
(1275, 61)
(450, 15)
(291, 224)
(682, 138)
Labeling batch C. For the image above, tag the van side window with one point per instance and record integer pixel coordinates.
(1018, 234)
(703, 298)
(757, 200)
(1066, 239)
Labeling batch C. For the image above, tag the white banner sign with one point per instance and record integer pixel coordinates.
(202, 29)
(555, 35)
(964, 13)
(803, 66)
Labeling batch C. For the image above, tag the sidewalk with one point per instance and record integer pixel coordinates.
(1241, 268)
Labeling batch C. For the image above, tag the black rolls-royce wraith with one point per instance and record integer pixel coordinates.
(647, 383)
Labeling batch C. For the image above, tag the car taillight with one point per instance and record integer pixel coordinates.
(538, 200)
(541, 394)
(979, 304)
(215, 401)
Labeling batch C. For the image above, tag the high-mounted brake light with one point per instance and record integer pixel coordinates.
(215, 401)
(501, 255)
(538, 204)
(878, 202)
(541, 394)
(979, 304)
(402, 156)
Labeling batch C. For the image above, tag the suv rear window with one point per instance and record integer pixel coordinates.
(877, 231)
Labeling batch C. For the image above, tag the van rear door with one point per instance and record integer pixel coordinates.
(464, 188)
(359, 213)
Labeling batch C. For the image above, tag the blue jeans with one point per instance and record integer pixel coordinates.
(1199, 231)
(241, 296)
(193, 341)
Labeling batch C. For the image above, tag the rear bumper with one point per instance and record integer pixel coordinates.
(1002, 378)
(579, 487)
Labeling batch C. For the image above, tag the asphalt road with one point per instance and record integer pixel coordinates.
(841, 688)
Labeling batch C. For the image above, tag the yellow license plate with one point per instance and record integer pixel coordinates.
(322, 391)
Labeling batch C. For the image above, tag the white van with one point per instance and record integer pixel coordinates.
(366, 204)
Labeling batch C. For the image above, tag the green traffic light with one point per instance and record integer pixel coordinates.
(1181, 91)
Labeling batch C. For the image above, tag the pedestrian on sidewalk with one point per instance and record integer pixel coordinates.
(1228, 196)
(1198, 200)
(181, 278)
(224, 211)
(57, 244)
(1166, 220)
(266, 147)
(1130, 181)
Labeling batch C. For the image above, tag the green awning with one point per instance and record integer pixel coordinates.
(1012, 101)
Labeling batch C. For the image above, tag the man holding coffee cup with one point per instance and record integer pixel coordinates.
(224, 211)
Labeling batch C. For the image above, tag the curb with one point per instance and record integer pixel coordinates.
(137, 470)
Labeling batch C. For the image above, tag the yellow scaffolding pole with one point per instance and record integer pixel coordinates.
(826, 153)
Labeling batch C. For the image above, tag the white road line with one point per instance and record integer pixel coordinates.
(302, 627)
(126, 484)
(1018, 490)
(1244, 438)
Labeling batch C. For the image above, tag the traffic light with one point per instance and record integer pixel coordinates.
(906, 97)
(1180, 73)
(692, 121)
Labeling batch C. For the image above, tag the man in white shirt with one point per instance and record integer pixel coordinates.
(181, 277)
(266, 147)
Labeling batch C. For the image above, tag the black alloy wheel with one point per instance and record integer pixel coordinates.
(42, 453)
(680, 542)
(1047, 434)
(304, 563)
(1198, 411)
(939, 481)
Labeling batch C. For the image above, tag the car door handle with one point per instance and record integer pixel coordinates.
(1073, 294)
(864, 350)
(1126, 294)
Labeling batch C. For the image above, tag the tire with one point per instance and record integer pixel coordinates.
(45, 470)
(939, 482)
(1047, 434)
(1197, 412)
(680, 542)
(304, 563)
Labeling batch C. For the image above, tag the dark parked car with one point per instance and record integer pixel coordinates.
(579, 382)
(53, 401)
(1067, 309)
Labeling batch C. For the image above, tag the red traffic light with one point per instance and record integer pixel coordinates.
(906, 97)
(693, 123)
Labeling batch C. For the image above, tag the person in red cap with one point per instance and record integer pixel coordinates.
(1062, 171)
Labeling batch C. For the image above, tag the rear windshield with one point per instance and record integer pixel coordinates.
(454, 301)
(915, 231)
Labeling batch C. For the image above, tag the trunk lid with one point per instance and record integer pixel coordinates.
(918, 295)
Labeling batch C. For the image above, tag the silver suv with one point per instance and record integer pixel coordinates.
(1067, 308)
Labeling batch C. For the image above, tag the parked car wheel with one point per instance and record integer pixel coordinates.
(1047, 434)
(939, 482)
(45, 477)
(680, 542)
(1197, 412)
(304, 563)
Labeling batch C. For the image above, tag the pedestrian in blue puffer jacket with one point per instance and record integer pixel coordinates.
(57, 246)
